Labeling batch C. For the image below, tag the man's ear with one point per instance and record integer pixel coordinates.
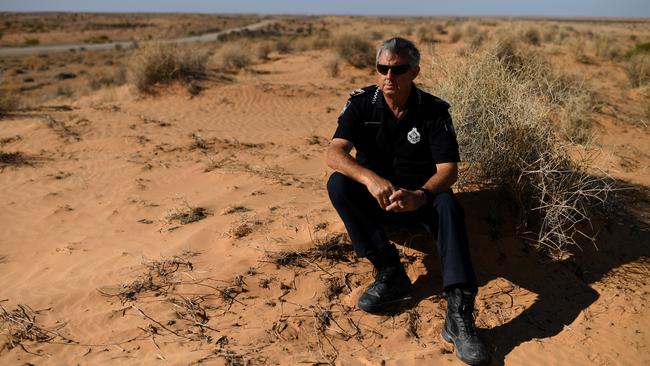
(416, 71)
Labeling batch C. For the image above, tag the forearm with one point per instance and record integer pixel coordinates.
(445, 177)
(342, 162)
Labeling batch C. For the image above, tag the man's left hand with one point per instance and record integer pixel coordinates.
(403, 200)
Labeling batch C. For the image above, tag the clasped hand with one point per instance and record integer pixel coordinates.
(395, 199)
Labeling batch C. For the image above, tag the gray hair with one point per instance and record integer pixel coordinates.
(402, 47)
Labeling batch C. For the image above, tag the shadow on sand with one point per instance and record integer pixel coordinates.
(563, 287)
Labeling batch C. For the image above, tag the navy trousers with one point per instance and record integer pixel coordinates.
(444, 217)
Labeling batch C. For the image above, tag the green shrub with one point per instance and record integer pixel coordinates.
(162, 63)
(355, 50)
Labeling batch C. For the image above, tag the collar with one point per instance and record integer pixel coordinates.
(415, 98)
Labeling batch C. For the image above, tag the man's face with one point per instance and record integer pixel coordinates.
(391, 83)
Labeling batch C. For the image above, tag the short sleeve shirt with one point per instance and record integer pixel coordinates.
(404, 151)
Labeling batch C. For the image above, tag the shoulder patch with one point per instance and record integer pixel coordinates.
(357, 92)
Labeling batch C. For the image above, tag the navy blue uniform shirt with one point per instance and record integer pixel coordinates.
(404, 151)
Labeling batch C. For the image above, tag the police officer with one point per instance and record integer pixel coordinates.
(406, 161)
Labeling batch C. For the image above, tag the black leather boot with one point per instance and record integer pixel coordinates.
(391, 286)
(460, 330)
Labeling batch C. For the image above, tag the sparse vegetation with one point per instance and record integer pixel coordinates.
(101, 80)
(355, 50)
(332, 65)
(187, 214)
(507, 140)
(32, 42)
(232, 57)
(163, 63)
(8, 102)
(638, 69)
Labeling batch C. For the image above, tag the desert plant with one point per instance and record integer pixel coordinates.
(232, 57)
(263, 49)
(507, 141)
(161, 63)
(8, 101)
(100, 80)
(355, 50)
(332, 65)
(607, 47)
(638, 69)
(32, 41)
(456, 35)
(532, 36)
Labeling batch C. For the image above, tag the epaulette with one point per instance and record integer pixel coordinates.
(357, 92)
(441, 102)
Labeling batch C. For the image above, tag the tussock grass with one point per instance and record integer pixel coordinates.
(355, 50)
(8, 102)
(233, 57)
(332, 65)
(162, 63)
(638, 69)
(507, 141)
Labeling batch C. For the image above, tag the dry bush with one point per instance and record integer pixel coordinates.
(233, 56)
(607, 47)
(101, 80)
(532, 36)
(507, 140)
(263, 49)
(355, 50)
(332, 65)
(161, 63)
(638, 69)
(456, 35)
(283, 45)
(8, 101)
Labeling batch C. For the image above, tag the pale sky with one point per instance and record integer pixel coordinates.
(581, 8)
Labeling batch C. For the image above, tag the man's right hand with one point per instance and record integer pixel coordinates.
(381, 189)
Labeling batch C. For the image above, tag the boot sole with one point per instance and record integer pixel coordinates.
(447, 337)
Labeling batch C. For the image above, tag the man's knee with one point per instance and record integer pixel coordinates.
(340, 187)
(446, 203)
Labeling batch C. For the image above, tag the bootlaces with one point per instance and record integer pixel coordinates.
(467, 318)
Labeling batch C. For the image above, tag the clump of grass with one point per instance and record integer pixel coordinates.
(13, 159)
(188, 214)
(162, 63)
(158, 278)
(332, 65)
(20, 326)
(101, 80)
(532, 36)
(235, 209)
(335, 248)
(8, 102)
(32, 42)
(232, 57)
(638, 69)
(355, 50)
(639, 48)
(607, 47)
(507, 141)
(244, 227)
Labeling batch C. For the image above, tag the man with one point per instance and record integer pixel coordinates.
(406, 161)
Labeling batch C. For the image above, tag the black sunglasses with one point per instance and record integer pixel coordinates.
(397, 69)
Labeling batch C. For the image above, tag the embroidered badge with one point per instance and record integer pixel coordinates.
(413, 136)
